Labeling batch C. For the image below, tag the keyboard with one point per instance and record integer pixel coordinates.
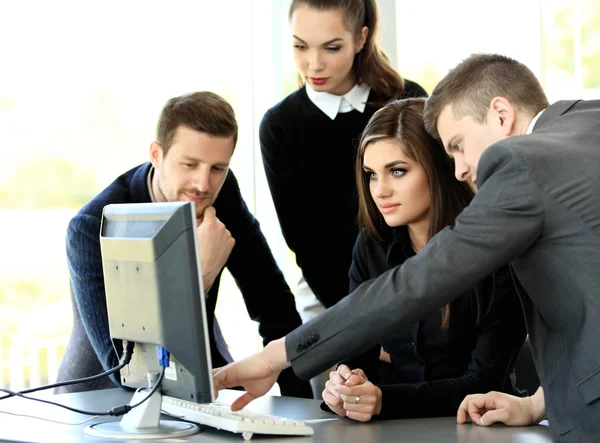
(245, 422)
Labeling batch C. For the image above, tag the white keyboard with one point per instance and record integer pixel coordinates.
(243, 422)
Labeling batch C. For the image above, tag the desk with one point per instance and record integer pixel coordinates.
(444, 430)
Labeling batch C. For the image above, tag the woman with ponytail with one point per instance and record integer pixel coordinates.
(309, 139)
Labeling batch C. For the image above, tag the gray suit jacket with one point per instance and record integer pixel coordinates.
(537, 207)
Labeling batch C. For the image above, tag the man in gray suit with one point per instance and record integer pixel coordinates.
(537, 208)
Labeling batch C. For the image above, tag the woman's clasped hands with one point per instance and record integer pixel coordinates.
(350, 394)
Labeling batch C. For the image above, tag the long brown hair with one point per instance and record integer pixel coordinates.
(402, 122)
(371, 64)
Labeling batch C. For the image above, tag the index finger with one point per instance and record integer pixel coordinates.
(356, 379)
(344, 371)
(221, 379)
(359, 372)
(353, 391)
(242, 401)
(210, 213)
(336, 378)
(480, 405)
(217, 381)
(463, 409)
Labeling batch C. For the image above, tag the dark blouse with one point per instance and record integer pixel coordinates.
(431, 369)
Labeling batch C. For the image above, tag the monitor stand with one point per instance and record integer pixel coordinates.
(143, 422)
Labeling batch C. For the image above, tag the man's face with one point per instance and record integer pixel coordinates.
(194, 168)
(465, 140)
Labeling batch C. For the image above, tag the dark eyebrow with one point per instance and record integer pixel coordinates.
(189, 159)
(324, 44)
(395, 163)
(335, 40)
(389, 165)
(195, 160)
(298, 38)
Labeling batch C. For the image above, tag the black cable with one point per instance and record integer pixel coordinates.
(154, 388)
(124, 361)
(116, 411)
(18, 394)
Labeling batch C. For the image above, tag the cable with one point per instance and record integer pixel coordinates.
(154, 388)
(17, 394)
(51, 421)
(116, 411)
(124, 361)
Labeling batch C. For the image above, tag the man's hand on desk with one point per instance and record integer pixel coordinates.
(257, 373)
(497, 407)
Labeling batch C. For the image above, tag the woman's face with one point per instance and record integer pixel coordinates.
(398, 185)
(324, 49)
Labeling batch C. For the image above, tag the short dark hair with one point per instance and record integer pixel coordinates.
(201, 111)
(471, 86)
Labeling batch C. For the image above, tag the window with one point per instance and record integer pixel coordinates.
(82, 86)
(558, 40)
(571, 48)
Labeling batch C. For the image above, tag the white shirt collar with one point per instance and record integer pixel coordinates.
(332, 104)
(533, 122)
(149, 184)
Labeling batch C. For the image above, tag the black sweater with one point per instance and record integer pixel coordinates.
(309, 163)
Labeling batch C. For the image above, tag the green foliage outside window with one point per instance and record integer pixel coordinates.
(47, 183)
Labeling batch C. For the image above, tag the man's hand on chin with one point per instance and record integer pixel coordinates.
(215, 244)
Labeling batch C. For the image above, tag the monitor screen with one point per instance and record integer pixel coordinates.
(154, 295)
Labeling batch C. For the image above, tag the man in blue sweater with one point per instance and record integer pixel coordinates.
(189, 161)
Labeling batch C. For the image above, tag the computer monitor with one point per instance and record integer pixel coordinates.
(154, 295)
